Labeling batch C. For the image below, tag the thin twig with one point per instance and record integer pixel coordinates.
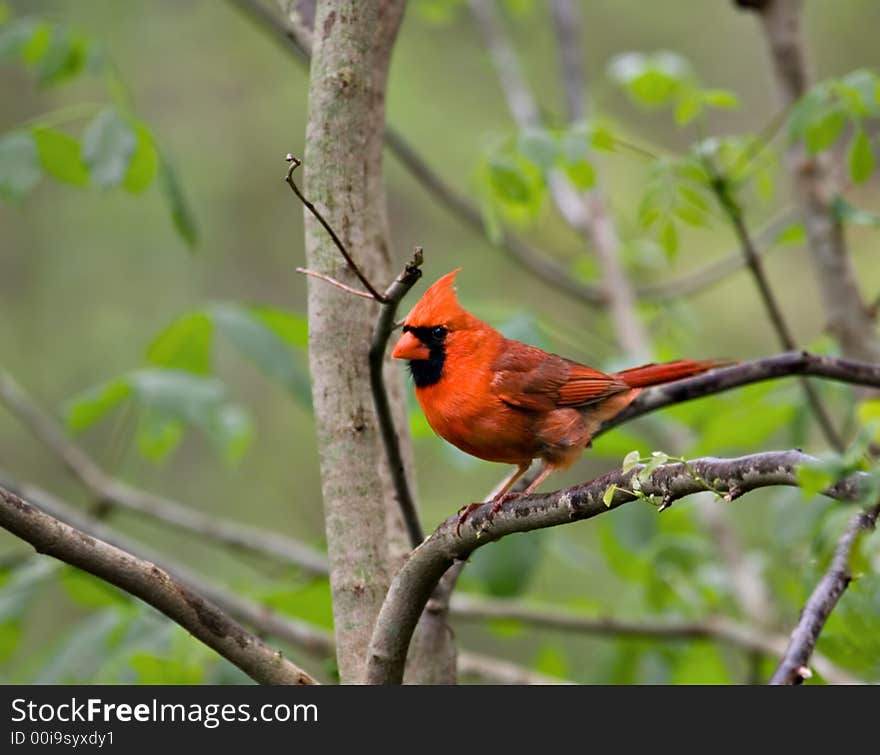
(794, 666)
(382, 332)
(733, 211)
(850, 321)
(108, 490)
(586, 212)
(334, 282)
(158, 588)
(718, 628)
(297, 42)
(418, 577)
(288, 178)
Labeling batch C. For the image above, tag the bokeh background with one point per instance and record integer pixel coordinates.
(88, 278)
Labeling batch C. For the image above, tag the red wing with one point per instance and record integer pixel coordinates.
(529, 378)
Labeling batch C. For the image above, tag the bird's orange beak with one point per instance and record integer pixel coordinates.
(410, 347)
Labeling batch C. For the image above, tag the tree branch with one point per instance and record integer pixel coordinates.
(382, 332)
(288, 179)
(154, 586)
(586, 212)
(793, 668)
(745, 373)
(113, 492)
(414, 583)
(296, 40)
(731, 208)
(850, 321)
(717, 628)
(316, 641)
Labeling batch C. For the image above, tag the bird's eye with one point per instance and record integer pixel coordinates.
(438, 333)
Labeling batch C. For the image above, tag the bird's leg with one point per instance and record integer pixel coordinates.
(545, 472)
(497, 501)
(503, 496)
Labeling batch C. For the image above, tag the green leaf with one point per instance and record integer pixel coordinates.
(64, 56)
(311, 603)
(793, 234)
(860, 158)
(90, 591)
(505, 568)
(10, 636)
(822, 132)
(508, 182)
(608, 495)
(869, 417)
(720, 98)
(60, 156)
(701, 663)
(19, 165)
(551, 661)
(851, 215)
(688, 108)
(181, 213)
(669, 238)
(630, 461)
(154, 669)
(264, 347)
(107, 148)
(538, 146)
(158, 434)
(14, 37)
(806, 111)
(184, 345)
(171, 394)
(290, 327)
(144, 161)
(813, 479)
(84, 410)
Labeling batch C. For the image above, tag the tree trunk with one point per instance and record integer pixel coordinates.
(351, 50)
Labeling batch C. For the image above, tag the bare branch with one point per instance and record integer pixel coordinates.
(334, 282)
(288, 178)
(108, 490)
(733, 211)
(154, 586)
(718, 628)
(794, 666)
(295, 39)
(384, 327)
(316, 641)
(497, 671)
(585, 212)
(850, 321)
(745, 373)
(567, 24)
(414, 583)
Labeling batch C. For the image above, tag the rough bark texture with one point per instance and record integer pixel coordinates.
(366, 539)
(849, 319)
(415, 582)
(156, 587)
(343, 176)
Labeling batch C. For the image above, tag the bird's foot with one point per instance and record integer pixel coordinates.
(465, 511)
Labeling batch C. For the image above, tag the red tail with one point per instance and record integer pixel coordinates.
(655, 374)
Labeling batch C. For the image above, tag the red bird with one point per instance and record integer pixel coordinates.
(505, 401)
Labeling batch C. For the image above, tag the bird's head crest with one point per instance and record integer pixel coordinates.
(439, 306)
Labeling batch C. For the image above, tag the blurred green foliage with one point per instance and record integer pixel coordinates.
(103, 316)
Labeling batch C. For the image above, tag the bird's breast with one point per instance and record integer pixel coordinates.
(469, 415)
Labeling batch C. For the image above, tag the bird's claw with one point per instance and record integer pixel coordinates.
(465, 511)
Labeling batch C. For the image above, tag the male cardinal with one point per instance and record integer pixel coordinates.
(505, 401)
